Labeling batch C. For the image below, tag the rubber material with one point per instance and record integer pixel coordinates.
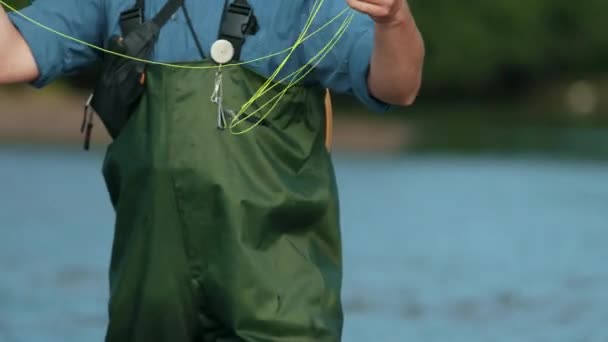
(223, 237)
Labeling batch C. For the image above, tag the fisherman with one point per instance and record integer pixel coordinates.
(222, 233)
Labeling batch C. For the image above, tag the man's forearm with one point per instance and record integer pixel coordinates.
(396, 66)
(4, 31)
(17, 63)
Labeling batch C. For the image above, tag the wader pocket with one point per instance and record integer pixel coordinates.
(122, 80)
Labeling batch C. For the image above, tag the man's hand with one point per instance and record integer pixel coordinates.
(381, 11)
(396, 65)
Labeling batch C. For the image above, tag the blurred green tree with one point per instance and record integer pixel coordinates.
(494, 46)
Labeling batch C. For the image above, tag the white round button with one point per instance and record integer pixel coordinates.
(222, 51)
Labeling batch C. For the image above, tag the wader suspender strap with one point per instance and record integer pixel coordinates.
(166, 12)
(238, 21)
(133, 18)
(197, 41)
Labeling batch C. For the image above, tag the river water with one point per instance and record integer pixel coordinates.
(437, 247)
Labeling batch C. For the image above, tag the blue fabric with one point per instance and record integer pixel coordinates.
(344, 70)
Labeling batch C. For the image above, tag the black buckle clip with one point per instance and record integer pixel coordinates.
(130, 20)
(239, 21)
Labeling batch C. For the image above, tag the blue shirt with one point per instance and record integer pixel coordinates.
(344, 70)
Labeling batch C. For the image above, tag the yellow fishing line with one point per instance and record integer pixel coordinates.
(236, 120)
(294, 80)
(169, 65)
(265, 87)
(320, 55)
(315, 10)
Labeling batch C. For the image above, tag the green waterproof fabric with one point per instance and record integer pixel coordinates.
(223, 237)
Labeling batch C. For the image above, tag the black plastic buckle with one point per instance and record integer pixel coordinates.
(238, 21)
(130, 20)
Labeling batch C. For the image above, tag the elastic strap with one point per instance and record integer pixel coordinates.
(197, 41)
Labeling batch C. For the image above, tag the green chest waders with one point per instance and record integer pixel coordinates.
(223, 237)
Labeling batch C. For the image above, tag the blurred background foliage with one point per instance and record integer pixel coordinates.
(493, 47)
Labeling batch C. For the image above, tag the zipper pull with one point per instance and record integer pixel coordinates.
(84, 113)
(87, 123)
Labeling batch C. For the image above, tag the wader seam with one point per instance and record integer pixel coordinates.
(195, 283)
(195, 275)
(308, 260)
(171, 152)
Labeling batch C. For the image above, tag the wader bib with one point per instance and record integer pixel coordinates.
(223, 237)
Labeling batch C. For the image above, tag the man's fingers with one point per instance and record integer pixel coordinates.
(375, 2)
(373, 8)
(369, 8)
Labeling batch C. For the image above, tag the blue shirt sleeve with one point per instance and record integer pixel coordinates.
(55, 55)
(346, 67)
